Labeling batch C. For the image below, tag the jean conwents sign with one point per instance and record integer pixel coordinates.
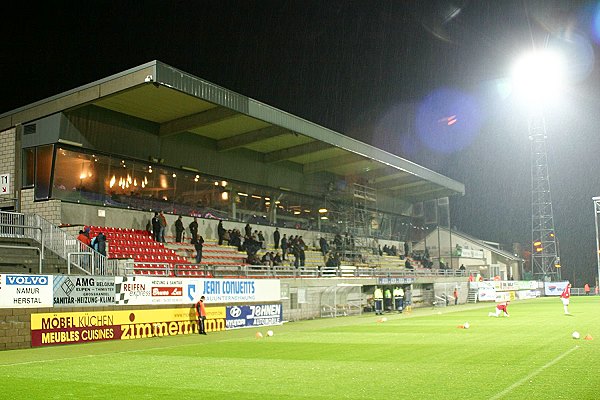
(25, 291)
(142, 290)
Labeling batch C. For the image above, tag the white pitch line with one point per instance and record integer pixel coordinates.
(534, 373)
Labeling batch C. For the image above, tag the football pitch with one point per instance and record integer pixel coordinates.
(424, 355)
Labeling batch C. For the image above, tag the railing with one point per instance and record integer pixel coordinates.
(146, 268)
(132, 267)
(31, 226)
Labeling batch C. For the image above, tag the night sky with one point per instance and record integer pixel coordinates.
(384, 72)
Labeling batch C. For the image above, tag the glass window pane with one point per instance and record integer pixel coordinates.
(28, 167)
(43, 171)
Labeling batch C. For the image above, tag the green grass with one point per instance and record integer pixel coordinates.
(530, 355)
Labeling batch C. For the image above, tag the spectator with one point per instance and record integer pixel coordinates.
(253, 259)
(178, 229)
(194, 230)
(248, 230)
(277, 259)
(163, 226)
(284, 246)
(337, 241)
(333, 261)
(267, 259)
(251, 246)
(235, 239)
(586, 289)
(455, 294)
(198, 246)
(299, 251)
(100, 243)
(324, 246)
(84, 238)
(156, 227)
(276, 238)
(261, 240)
(220, 232)
(227, 236)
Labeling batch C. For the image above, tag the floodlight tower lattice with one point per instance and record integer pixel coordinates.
(544, 254)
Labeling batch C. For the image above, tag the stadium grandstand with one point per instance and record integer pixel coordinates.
(107, 156)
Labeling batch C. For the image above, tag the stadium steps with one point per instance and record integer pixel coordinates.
(212, 253)
(472, 296)
(13, 260)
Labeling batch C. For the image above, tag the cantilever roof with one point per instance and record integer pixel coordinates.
(180, 102)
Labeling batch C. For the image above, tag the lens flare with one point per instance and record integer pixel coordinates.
(448, 120)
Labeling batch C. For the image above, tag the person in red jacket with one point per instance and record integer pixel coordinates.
(565, 296)
(201, 314)
(84, 238)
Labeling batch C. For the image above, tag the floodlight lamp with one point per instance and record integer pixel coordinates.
(538, 75)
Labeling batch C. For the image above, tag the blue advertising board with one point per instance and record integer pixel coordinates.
(253, 315)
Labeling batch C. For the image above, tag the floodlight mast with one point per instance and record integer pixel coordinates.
(536, 77)
(545, 264)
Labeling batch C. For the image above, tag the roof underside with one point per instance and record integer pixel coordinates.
(181, 103)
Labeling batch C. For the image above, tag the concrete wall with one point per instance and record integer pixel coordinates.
(7, 165)
(49, 209)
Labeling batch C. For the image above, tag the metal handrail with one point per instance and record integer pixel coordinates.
(79, 253)
(26, 227)
(164, 267)
(56, 240)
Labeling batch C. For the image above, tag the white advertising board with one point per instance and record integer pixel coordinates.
(140, 290)
(25, 291)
